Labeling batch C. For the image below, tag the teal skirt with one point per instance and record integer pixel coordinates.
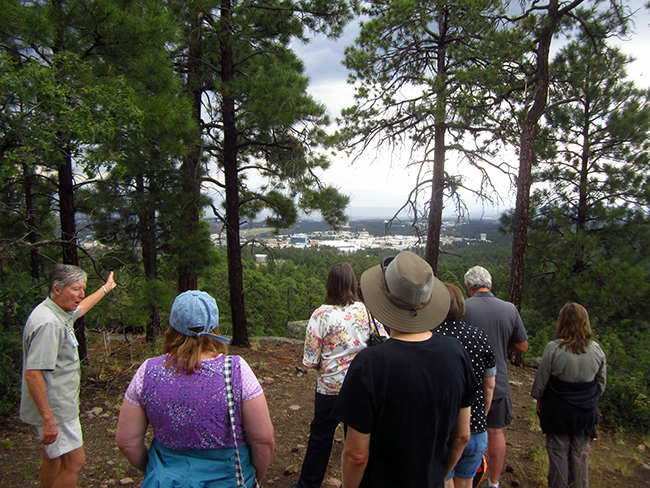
(196, 468)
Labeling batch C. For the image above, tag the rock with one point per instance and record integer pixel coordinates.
(297, 329)
(268, 380)
(126, 481)
(295, 408)
(333, 482)
(110, 463)
(641, 448)
(110, 482)
(292, 469)
(534, 363)
(94, 412)
(646, 466)
(509, 469)
(514, 483)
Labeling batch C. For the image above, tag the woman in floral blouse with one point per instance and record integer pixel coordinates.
(336, 332)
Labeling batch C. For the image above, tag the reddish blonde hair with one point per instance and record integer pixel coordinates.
(184, 352)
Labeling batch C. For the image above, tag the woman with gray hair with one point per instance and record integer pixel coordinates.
(51, 374)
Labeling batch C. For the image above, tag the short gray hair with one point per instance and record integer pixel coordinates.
(63, 275)
(478, 277)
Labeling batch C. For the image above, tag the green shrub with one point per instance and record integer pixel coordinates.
(10, 367)
(626, 403)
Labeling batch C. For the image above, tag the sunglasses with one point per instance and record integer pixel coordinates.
(384, 264)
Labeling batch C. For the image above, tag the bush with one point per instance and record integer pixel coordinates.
(626, 403)
(10, 367)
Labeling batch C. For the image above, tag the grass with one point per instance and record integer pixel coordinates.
(612, 453)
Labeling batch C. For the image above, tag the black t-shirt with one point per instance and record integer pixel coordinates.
(407, 396)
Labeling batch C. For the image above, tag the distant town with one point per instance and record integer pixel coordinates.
(369, 234)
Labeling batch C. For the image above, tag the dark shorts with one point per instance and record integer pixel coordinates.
(500, 414)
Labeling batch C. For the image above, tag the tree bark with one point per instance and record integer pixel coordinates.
(527, 150)
(32, 230)
(190, 169)
(67, 212)
(149, 244)
(231, 174)
(432, 250)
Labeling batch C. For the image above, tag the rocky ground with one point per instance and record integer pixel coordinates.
(615, 460)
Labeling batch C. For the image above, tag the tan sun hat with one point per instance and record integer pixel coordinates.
(403, 294)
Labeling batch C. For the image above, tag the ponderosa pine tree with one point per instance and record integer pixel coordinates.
(86, 46)
(257, 121)
(430, 77)
(544, 23)
(134, 207)
(589, 228)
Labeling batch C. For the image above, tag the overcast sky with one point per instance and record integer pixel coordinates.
(381, 181)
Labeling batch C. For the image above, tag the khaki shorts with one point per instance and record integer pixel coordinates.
(500, 414)
(68, 440)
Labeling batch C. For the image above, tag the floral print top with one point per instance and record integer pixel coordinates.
(334, 336)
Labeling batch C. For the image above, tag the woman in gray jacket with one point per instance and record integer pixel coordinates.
(568, 384)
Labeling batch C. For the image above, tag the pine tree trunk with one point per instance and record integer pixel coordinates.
(149, 246)
(190, 169)
(235, 268)
(69, 234)
(527, 154)
(32, 230)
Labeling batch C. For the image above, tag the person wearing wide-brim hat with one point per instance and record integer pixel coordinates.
(406, 402)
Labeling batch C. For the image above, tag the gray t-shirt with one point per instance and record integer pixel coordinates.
(503, 325)
(49, 346)
(570, 367)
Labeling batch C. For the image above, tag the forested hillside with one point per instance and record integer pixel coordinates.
(124, 124)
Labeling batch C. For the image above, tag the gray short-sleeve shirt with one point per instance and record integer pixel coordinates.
(503, 325)
(49, 346)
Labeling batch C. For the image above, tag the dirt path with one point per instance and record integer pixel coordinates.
(289, 389)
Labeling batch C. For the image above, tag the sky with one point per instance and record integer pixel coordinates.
(379, 183)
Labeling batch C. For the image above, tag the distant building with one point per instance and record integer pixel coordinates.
(299, 240)
(260, 258)
(341, 246)
(484, 237)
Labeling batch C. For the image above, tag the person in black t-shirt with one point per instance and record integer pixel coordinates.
(406, 402)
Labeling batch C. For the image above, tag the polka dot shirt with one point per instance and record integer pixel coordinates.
(478, 347)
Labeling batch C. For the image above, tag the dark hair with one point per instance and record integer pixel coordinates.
(184, 352)
(573, 328)
(457, 303)
(341, 285)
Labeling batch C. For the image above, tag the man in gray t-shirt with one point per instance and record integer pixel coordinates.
(505, 329)
(51, 376)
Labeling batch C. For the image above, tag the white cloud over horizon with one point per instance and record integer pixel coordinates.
(381, 179)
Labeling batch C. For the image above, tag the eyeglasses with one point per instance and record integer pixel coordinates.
(384, 264)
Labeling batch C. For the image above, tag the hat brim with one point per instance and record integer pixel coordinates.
(375, 296)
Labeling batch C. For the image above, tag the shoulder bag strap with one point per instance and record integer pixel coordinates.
(371, 320)
(230, 399)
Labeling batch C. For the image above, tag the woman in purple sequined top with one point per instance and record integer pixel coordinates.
(182, 395)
